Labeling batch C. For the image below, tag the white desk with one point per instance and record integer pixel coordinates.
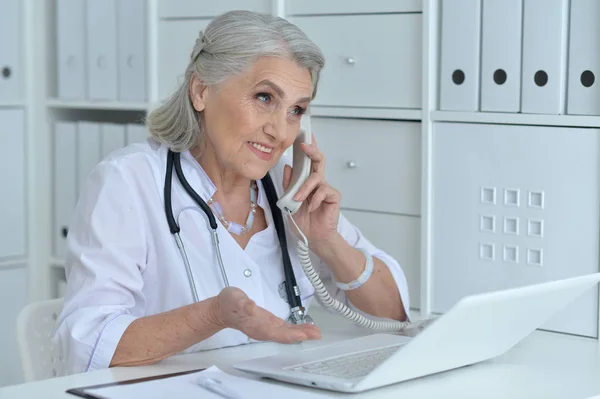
(545, 365)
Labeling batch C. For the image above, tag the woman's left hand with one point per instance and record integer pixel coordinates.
(318, 216)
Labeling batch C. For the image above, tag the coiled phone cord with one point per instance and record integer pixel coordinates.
(332, 303)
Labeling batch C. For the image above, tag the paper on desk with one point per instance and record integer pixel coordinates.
(184, 386)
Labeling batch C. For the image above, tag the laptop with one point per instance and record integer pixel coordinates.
(477, 328)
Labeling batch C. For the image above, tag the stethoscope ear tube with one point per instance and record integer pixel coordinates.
(168, 206)
(211, 218)
(291, 286)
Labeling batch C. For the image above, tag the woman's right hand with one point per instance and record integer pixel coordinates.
(233, 309)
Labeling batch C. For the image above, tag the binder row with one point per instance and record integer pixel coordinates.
(78, 147)
(101, 49)
(529, 56)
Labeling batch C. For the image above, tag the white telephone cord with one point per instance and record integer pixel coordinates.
(332, 303)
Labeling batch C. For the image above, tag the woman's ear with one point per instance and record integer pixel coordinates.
(198, 92)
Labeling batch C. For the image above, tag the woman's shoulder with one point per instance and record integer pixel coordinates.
(135, 158)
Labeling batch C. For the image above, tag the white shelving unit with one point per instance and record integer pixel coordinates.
(418, 130)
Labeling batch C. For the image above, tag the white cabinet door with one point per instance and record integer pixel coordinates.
(376, 165)
(370, 60)
(512, 206)
(13, 297)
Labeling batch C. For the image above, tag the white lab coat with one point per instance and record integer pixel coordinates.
(123, 263)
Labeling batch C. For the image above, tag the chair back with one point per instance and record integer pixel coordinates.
(40, 357)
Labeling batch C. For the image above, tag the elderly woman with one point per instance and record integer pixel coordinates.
(250, 79)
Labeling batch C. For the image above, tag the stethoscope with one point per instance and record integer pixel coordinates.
(297, 315)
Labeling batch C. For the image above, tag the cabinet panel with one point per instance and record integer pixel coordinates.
(371, 60)
(376, 165)
(512, 206)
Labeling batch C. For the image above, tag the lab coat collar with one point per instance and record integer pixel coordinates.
(207, 188)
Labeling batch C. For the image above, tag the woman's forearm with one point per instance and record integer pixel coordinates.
(379, 295)
(150, 339)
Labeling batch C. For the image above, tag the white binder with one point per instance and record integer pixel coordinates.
(544, 56)
(64, 182)
(10, 54)
(584, 58)
(113, 138)
(459, 76)
(71, 49)
(12, 187)
(131, 17)
(88, 150)
(102, 50)
(136, 133)
(501, 55)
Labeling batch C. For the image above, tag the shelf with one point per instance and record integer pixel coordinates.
(366, 112)
(11, 104)
(57, 263)
(99, 105)
(16, 263)
(516, 119)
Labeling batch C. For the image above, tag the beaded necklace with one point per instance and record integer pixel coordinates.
(234, 227)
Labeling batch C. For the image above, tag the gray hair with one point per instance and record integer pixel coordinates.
(229, 46)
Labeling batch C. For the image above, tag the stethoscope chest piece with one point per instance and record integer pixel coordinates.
(298, 316)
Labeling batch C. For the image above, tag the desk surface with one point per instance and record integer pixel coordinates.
(544, 365)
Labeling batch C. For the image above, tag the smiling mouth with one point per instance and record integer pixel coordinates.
(261, 148)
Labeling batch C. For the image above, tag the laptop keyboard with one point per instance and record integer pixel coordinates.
(355, 365)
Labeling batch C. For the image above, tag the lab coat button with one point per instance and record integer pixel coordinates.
(247, 272)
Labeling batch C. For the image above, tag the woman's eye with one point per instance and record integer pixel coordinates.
(299, 111)
(264, 97)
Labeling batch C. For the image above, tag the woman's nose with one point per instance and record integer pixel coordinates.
(276, 126)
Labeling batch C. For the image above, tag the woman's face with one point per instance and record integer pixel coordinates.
(251, 119)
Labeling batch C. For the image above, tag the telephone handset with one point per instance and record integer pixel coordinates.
(301, 168)
(301, 171)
